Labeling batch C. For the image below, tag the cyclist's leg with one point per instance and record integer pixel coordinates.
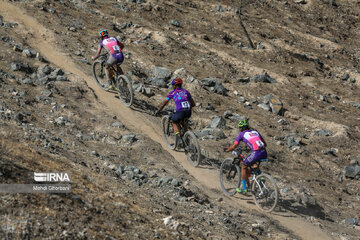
(176, 118)
(119, 60)
(110, 62)
(187, 115)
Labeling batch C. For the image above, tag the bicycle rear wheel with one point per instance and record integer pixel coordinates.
(99, 74)
(230, 177)
(125, 90)
(168, 132)
(265, 192)
(192, 148)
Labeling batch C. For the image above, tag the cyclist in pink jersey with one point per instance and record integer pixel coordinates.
(256, 143)
(114, 48)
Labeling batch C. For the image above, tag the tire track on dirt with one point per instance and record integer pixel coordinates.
(43, 40)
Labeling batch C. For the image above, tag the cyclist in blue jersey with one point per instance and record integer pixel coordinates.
(183, 102)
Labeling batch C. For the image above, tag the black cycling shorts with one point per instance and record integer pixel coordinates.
(181, 115)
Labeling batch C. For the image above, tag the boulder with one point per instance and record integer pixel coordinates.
(265, 78)
(274, 103)
(351, 171)
(323, 133)
(218, 122)
(175, 23)
(160, 76)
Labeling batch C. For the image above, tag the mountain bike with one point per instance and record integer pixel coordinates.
(187, 139)
(262, 186)
(122, 85)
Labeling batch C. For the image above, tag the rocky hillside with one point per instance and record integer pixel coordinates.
(297, 80)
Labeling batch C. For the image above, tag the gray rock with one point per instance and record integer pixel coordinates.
(219, 9)
(210, 82)
(220, 89)
(345, 77)
(15, 66)
(275, 104)
(148, 92)
(129, 138)
(237, 118)
(214, 85)
(354, 162)
(46, 93)
(60, 121)
(218, 122)
(323, 133)
(264, 106)
(160, 76)
(165, 180)
(260, 46)
(44, 70)
(292, 142)
(351, 221)
(29, 53)
(263, 78)
(331, 151)
(351, 171)
(61, 78)
(175, 23)
(357, 105)
(243, 80)
(175, 182)
(228, 114)
(118, 124)
(57, 72)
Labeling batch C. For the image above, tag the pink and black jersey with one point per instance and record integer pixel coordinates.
(111, 44)
(251, 138)
(181, 98)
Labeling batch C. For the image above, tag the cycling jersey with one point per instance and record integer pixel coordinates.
(181, 98)
(251, 138)
(111, 44)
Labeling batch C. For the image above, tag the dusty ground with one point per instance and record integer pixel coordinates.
(307, 48)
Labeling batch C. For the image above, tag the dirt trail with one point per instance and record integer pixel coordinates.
(43, 41)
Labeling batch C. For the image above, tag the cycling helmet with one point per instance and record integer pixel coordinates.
(176, 81)
(103, 33)
(243, 123)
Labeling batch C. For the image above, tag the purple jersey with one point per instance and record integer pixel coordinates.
(181, 98)
(252, 138)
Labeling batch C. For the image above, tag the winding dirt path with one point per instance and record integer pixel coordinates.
(44, 41)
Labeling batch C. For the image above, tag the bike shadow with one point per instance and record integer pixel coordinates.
(291, 205)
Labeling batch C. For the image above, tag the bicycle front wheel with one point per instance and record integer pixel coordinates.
(125, 90)
(230, 177)
(192, 148)
(168, 132)
(265, 192)
(99, 74)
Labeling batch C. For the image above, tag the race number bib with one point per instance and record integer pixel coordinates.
(185, 104)
(116, 48)
(260, 144)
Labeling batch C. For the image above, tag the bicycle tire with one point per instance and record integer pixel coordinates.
(126, 94)
(265, 193)
(99, 76)
(192, 149)
(168, 132)
(229, 183)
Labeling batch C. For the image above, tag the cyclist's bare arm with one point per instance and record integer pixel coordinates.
(97, 53)
(229, 149)
(162, 105)
(192, 103)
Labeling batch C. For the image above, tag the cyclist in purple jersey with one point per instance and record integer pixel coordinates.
(114, 48)
(183, 102)
(255, 142)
